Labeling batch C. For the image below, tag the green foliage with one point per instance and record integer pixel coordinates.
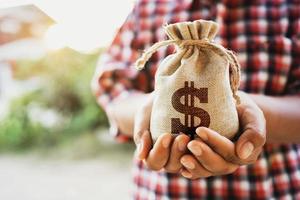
(16, 130)
(65, 88)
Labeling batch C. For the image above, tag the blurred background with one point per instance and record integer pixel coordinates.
(54, 141)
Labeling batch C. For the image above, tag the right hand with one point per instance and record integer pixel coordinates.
(167, 150)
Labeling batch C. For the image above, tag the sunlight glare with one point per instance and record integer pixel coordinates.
(84, 25)
(54, 39)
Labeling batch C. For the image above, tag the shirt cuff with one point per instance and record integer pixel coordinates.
(114, 130)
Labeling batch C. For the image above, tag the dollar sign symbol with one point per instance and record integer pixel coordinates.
(189, 111)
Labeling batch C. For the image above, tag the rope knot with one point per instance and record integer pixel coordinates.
(185, 43)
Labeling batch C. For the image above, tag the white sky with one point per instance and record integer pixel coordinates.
(81, 24)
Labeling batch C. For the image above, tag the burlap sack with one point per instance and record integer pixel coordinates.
(195, 86)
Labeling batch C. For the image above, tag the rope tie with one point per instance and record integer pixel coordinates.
(203, 43)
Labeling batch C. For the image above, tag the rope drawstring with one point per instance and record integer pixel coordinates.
(204, 43)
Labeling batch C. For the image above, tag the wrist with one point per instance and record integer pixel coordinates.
(268, 106)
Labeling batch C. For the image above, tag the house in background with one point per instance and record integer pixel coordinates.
(21, 31)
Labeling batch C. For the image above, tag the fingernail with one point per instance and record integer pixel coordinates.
(186, 174)
(188, 164)
(166, 142)
(195, 149)
(181, 146)
(247, 149)
(202, 134)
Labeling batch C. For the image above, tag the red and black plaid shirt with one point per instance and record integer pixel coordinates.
(266, 36)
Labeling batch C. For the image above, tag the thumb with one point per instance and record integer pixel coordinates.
(142, 117)
(144, 144)
(248, 142)
(253, 136)
(142, 136)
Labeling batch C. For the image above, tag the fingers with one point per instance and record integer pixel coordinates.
(142, 119)
(254, 133)
(155, 156)
(159, 154)
(142, 136)
(220, 144)
(249, 145)
(144, 144)
(210, 160)
(141, 123)
(193, 169)
(179, 147)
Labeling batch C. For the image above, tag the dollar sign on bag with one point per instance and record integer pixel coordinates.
(188, 109)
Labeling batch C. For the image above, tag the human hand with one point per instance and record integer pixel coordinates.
(214, 154)
(167, 150)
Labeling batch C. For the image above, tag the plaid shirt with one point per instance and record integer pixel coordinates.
(266, 36)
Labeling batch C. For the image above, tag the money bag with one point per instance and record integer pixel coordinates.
(196, 85)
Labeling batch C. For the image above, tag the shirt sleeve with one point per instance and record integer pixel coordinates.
(293, 84)
(115, 76)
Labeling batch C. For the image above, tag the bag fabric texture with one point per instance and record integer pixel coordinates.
(195, 86)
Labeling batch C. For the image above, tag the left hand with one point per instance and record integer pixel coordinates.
(214, 154)
(167, 150)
